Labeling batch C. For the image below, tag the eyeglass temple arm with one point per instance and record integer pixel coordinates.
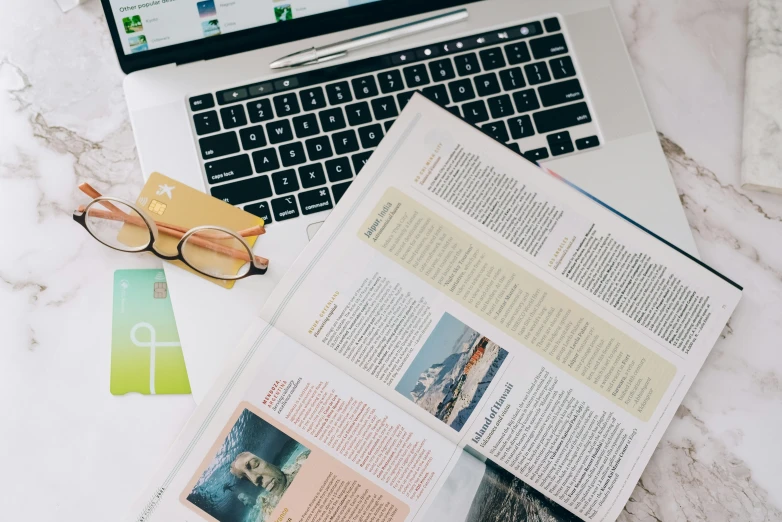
(136, 221)
(88, 189)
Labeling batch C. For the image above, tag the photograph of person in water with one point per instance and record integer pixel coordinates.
(249, 473)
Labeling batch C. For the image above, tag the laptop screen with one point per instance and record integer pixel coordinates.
(145, 25)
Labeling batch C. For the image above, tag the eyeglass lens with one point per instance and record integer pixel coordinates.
(117, 225)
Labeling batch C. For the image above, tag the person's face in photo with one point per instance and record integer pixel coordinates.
(261, 473)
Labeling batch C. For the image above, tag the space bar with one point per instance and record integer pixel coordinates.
(562, 117)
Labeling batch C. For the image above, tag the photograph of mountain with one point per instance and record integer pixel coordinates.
(452, 371)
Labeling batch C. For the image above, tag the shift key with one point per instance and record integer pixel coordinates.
(244, 191)
(562, 117)
(219, 145)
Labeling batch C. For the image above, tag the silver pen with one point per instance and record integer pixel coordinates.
(339, 49)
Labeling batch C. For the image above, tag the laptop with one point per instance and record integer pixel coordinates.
(551, 79)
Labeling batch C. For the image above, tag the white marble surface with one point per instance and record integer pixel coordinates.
(762, 155)
(71, 451)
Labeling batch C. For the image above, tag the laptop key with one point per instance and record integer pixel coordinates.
(265, 160)
(384, 108)
(338, 169)
(475, 112)
(228, 169)
(454, 109)
(560, 92)
(531, 29)
(390, 81)
(279, 131)
(416, 76)
(437, 93)
(364, 87)
(291, 82)
(285, 182)
(306, 125)
(260, 110)
(358, 113)
(202, 102)
(403, 57)
(314, 201)
(492, 59)
(233, 116)
(517, 53)
(461, 90)
(233, 95)
(467, 64)
(218, 145)
(537, 73)
(312, 99)
(243, 191)
(403, 98)
(206, 122)
(526, 100)
(339, 93)
(339, 190)
(286, 105)
(551, 25)
(521, 127)
(560, 143)
(332, 119)
(562, 67)
(548, 46)
(312, 175)
(260, 89)
(319, 148)
(536, 154)
(587, 143)
(285, 208)
(252, 137)
(345, 141)
(562, 117)
(292, 154)
(370, 135)
(514, 147)
(497, 130)
(442, 70)
(512, 79)
(261, 210)
(359, 160)
(500, 106)
(487, 84)
(388, 124)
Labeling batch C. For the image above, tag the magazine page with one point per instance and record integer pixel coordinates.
(513, 314)
(285, 436)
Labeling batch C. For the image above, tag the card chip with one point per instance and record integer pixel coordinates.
(156, 207)
(160, 291)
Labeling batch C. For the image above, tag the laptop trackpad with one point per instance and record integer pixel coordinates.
(313, 229)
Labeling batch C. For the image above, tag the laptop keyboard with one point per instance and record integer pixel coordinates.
(291, 146)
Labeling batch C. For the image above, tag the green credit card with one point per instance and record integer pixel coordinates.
(146, 356)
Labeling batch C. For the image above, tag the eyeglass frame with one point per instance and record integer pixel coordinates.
(81, 218)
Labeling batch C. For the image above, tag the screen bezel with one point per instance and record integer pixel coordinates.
(272, 34)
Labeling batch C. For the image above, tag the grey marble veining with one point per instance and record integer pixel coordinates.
(762, 157)
(78, 453)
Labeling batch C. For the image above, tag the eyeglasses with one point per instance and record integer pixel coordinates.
(209, 250)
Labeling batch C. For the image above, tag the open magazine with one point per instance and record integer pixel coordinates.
(468, 337)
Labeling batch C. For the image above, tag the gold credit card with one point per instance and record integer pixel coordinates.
(172, 202)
